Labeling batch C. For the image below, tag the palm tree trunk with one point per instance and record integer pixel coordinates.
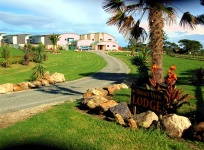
(156, 25)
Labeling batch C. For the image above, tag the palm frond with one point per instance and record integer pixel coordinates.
(169, 14)
(135, 7)
(112, 6)
(200, 19)
(188, 20)
(202, 2)
(117, 19)
(138, 32)
(126, 24)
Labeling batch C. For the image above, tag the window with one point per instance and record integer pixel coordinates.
(70, 39)
(109, 39)
(114, 45)
(107, 45)
(92, 39)
(100, 39)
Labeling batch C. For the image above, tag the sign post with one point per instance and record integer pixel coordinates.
(147, 99)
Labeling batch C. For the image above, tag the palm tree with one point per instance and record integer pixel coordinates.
(159, 12)
(54, 38)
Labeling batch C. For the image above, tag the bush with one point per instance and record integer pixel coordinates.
(141, 64)
(25, 59)
(197, 77)
(173, 96)
(38, 73)
(6, 54)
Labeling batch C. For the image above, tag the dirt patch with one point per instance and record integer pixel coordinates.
(11, 118)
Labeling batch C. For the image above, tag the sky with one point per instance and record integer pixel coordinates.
(81, 17)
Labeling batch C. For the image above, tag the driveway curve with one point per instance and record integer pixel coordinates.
(114, 72)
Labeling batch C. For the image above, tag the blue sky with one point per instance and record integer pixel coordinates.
(79, 16)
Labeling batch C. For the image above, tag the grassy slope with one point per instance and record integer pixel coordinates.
(66, 128)
(72, 64)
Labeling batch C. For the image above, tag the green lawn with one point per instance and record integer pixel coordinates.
(65, 127)
(73, 65)
(183, 73)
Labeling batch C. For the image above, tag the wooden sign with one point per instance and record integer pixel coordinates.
(148, 99)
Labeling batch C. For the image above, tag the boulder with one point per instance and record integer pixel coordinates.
(110, 89)
(37, 83)
(119, 119)
(31, 85)
(103, 91)
(132, 123)
(57, 77)
(44, 82)
(175, 125)
(23, 85)
(123, 86)
(8, 87)
(107, 105)
(96, 101)
(122, 109)
(145, 119)
(197, 131)
(16, 88)
(91, 92)
(2, 90)
(116, 86)
(47, 75)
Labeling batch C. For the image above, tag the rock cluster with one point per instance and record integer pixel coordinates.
(100, 101)
(47, 80)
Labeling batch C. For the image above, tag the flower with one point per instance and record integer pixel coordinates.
(154, 67)
(169, 71)
(173, 67)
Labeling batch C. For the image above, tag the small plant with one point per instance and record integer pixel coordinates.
(25, 59)
(39, 53)
(140, 62)
(38, 73)
(198, 76)
(6, 54)
(173, 96)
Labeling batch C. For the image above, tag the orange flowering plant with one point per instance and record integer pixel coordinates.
(173, 96)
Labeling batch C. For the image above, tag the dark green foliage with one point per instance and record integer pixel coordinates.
(6, 54)
(189, 46)
(39, 53)
(197, 77)
(38, 73)
(142, 67)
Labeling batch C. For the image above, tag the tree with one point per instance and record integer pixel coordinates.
(190, 46)
(159, 12)
(54, 38)
(170, 47)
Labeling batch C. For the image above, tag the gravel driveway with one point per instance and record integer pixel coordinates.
(114, 72)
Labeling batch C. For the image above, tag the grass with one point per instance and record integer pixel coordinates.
(65, 127)
(73, 65)
(183, 72)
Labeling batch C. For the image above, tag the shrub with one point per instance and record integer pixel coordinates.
(38, 73)
(173, 96)
(6, 54)
(25, 59)
(197, 77)
(140, 62)
(39, 53)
